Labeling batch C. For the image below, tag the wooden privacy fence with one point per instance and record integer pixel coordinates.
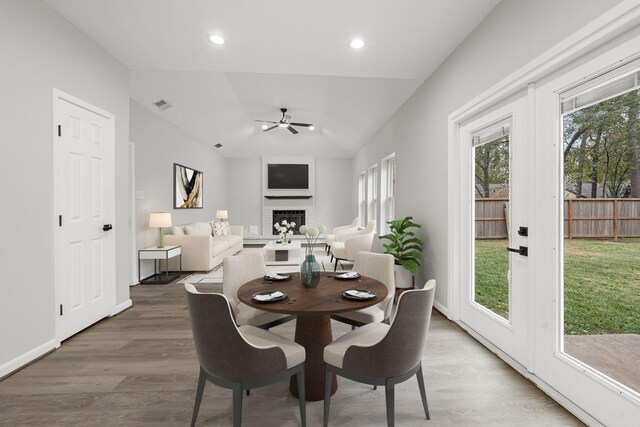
(601, 218)
(583, 218)
(490, 219)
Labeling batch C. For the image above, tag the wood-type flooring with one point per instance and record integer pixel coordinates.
(140, 368)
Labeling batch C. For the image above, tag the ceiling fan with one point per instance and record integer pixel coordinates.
(285, 122)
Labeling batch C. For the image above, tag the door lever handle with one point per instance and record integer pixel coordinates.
(107, 227)
(522, 250)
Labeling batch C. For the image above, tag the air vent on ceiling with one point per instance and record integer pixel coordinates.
(162, 104)
(218, 145)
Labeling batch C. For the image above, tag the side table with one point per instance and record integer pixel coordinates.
(158, 254)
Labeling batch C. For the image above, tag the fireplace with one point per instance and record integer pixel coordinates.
(297, 216)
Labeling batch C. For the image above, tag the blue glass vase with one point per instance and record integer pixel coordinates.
(310, 271)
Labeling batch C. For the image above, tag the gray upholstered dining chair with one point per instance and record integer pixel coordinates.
(381, 354)
(379, 267)
(239, 358)
(238, 270)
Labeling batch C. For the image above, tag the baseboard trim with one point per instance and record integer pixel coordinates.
(24, 359)
(442, 309)
(122, 307)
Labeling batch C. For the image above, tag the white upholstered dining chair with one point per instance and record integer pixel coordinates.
(379, 267)
(238, 270)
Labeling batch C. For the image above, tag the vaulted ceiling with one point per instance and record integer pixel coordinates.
(277, 53)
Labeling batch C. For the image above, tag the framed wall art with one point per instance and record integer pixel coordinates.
(187, 189)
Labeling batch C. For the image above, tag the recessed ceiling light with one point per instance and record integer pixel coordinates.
(216, 39)
(356, 43)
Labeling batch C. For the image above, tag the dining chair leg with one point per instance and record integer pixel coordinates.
(335, 267)
(327, 395)
(202, 380)
(301, 397)
(423, 393)
(237, 404)
(390, 397)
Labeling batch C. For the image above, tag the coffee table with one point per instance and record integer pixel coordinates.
(283, 251)
(313, 307)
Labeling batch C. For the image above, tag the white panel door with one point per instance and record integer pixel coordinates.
(84, 205)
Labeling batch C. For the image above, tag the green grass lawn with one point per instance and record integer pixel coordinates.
(602, 284)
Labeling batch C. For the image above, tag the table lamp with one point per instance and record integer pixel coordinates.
(222, 215)
(160, 220)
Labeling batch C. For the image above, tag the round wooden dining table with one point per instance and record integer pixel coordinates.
(313, 308)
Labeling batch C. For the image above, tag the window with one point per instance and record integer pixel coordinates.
(372, 193)
(362, 203)
(388, 193)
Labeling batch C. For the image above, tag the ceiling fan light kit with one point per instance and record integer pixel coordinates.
(285, 122)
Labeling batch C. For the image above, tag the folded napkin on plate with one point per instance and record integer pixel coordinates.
(349, 274)
(276, 276)
(358, 294)
(268, 297)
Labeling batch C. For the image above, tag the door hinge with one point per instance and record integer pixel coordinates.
(59, 220)
(60, 309)
(59, 130)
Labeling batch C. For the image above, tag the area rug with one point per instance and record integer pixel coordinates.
(215, 275)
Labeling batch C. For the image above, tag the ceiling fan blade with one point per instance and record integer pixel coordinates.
(307, 125)
(292, 130)
(268, 129)
(265, 121)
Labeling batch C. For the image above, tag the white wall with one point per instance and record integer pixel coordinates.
(244, 196)
(334, 203)
(159, 145)
(334, 192)
(514, 33)
(40, 51)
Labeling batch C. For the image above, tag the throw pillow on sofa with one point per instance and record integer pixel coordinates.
(221, 228)
(198, 229)
(177, 230)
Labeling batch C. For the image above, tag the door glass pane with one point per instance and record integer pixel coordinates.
(602, 237)
(492, 224)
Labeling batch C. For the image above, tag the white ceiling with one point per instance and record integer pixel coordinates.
(278, 53)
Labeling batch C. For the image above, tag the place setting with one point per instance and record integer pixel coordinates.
(269, 296)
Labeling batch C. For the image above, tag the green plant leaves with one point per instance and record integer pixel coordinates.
(403, 244)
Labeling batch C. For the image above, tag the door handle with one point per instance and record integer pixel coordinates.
(107, 227)
(522, 250)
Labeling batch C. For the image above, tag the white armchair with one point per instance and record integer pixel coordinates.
(330, 238)
(352, 243)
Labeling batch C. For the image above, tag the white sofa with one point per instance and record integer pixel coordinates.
(202, 251)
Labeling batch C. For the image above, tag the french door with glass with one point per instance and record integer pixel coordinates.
(494, 195)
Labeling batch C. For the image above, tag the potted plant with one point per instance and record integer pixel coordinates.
(405, 247)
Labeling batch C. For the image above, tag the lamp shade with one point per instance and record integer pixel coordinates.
(159, 219)
(222, 214)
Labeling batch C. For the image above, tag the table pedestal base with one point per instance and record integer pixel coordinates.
(313, 333)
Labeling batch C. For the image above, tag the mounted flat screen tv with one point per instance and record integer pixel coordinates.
(287, 176)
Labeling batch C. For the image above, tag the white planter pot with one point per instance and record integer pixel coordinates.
(404, 278)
